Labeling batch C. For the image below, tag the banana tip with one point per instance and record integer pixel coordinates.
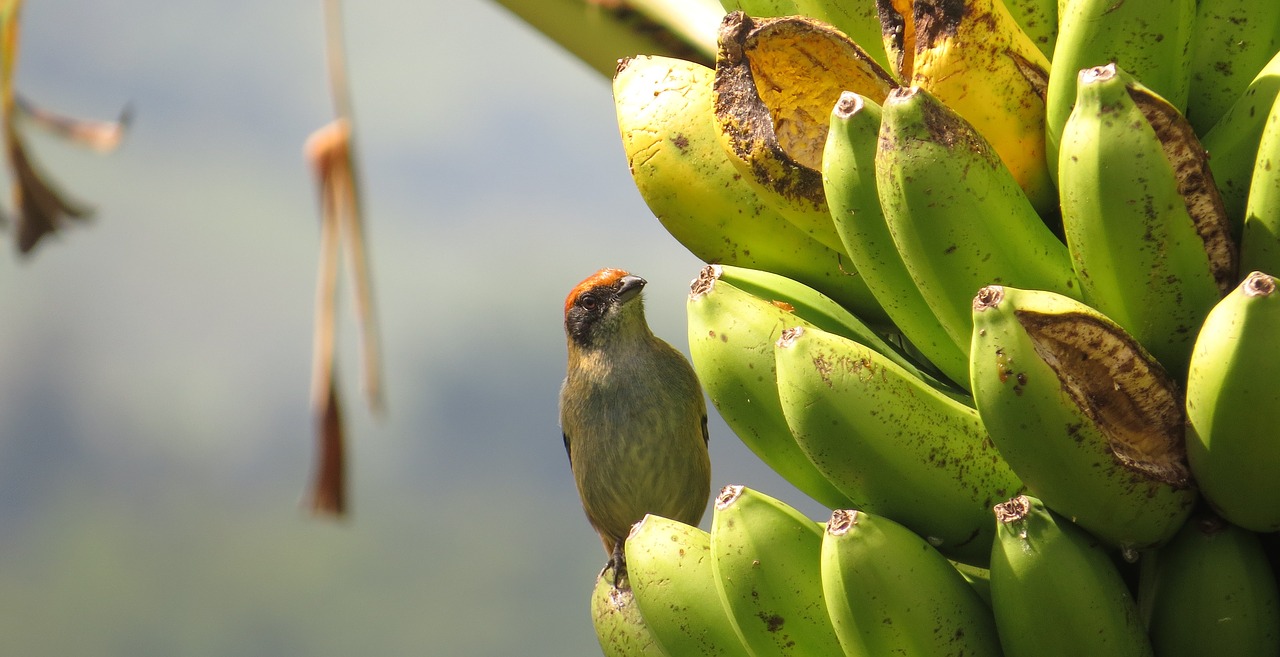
(988, 297)
(1259, 284)
(728, 495)
(705, 281)
(849, 104)
(1012, 510)
(789, 336)
(842, 521)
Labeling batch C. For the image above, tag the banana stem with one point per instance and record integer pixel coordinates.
(600, 32)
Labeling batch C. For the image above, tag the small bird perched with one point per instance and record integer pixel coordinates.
(631, 409)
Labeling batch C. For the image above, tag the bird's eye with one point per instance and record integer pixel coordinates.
(587, 303)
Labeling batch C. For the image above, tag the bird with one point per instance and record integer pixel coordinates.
(632, 415)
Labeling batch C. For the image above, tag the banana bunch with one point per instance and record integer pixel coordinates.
(766, 580)
(995, 281)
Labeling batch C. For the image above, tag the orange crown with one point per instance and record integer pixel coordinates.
(605, 277)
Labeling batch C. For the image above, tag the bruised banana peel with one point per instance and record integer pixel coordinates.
(776, 81)
(1083, 414)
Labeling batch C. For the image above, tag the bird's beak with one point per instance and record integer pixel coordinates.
(629, 287)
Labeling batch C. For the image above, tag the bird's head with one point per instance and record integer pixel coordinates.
(604, 306)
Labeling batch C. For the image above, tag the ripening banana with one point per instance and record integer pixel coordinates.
(1233, 406)
(1151, 39)
(669, 569)
(898, 34)
(1233, 141)
(892, 444)
(1083, 414)
(974, 57)
(731, 336)
(857, 19)
(848, 177)
(1056, 592)
(1232, 41)
(888, 592)
(956, 214)
(1210, 592)
(776, 80)
(665, 115)
(1144, 223)
(1260, 236)
(765, 555)
(620, 628)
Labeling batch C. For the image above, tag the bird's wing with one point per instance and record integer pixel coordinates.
(706, 436)
(569, 452)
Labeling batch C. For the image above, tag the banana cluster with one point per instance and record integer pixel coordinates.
(993, 280)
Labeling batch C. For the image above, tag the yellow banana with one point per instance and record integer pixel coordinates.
(974, 57)
(665, 116)
(776, 80)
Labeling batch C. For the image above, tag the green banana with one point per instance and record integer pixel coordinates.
(1054, 591)
(1039, 20)
(848, 178)
(1232, 41)
(1084, 415)
(765, 558)
(891, 443)
(620, 628)
(1210, 592)
(804, 301)
(1260, 239)
(956, 214)
(1144, 223)
(888, 592)
(669, 569)
(731, 336)
(664, 111)
(978, 579)
(1149, 38)
(1233, 406)
(1233, 141)
(776, 80)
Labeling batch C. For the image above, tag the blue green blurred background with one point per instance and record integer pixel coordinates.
(155, 439)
